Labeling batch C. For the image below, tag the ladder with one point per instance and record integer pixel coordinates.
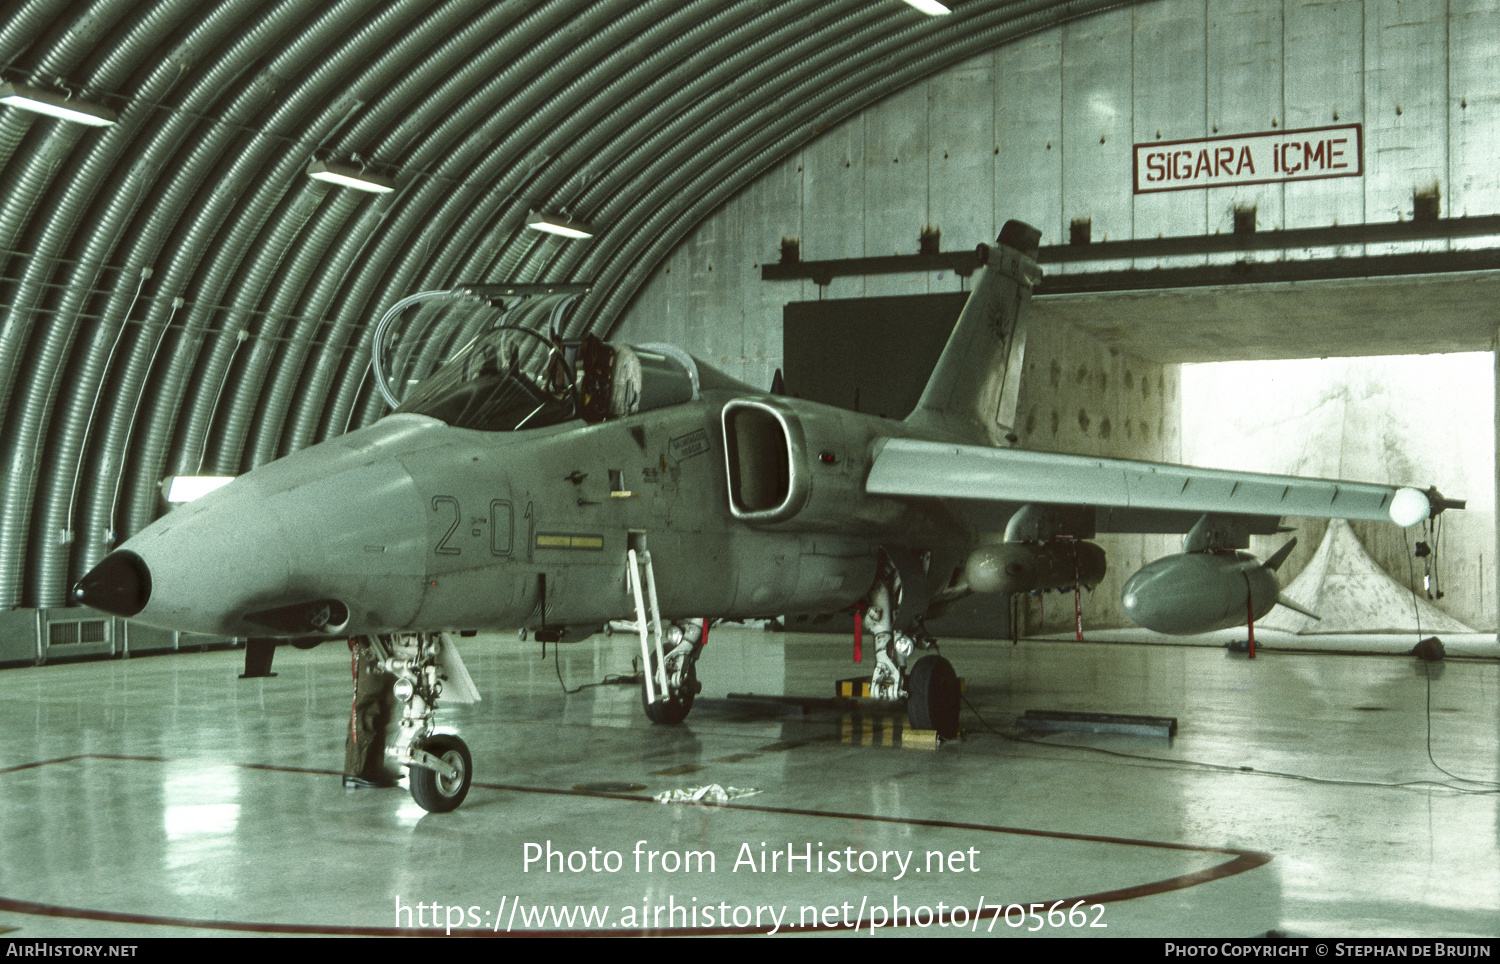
(640, 572)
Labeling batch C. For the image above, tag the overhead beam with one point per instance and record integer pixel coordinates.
(1392, 232)
(963, 263)
(1270, 272)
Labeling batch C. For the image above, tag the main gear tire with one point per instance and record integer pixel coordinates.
(434, 792)
(933, 696)
(674, 709)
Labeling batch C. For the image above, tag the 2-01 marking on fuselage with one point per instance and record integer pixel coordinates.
(501, 522)
(443, 549)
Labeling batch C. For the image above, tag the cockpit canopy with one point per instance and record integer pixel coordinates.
(513, 378)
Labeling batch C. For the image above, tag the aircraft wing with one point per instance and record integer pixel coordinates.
(920, 468)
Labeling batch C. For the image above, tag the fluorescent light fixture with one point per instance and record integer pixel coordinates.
(930, 7)
(553, 224)
(40, 101)
(347, 175)
(186, 488)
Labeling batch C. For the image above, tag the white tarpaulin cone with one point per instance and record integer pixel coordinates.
(1344, 586)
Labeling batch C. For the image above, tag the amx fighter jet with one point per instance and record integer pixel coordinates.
(557, 486)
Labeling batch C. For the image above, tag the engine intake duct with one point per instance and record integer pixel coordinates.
(764, 447)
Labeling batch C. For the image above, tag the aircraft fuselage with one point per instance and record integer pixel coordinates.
(411, 524)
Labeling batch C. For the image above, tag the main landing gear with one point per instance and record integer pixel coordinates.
(669, 653)
(932, 696)
(929, 683)
(676, 687)
(427, 666)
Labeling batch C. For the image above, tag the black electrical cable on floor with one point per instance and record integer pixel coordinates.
(1483, 783)
(1417, 610)
(615, 679)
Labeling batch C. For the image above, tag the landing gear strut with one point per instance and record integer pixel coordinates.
(426, 666)
(929, 684)
(893, 648)
(669, 655)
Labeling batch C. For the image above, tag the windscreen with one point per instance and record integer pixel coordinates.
(506, 380)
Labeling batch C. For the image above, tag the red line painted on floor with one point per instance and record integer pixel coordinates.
(1243, 860)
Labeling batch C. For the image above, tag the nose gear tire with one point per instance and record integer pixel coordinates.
(433, 792)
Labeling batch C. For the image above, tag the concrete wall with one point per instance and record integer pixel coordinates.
(1082, 398)
(1042, 130)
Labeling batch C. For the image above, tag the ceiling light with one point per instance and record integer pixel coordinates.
(40, 101)
(930, 7)
(348, 175)
(553, 224)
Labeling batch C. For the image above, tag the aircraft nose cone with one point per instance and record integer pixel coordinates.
(120, 584)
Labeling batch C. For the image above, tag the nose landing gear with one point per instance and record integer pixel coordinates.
(669, 652)
(426, 666)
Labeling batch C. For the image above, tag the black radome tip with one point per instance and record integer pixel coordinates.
(120, 584)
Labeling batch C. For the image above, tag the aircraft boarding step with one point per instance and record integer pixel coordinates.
(642, 575)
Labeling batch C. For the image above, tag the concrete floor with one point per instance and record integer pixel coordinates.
(162, 796)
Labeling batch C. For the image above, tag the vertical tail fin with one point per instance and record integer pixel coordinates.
(973, 390)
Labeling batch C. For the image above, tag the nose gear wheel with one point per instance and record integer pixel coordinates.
(437, 792)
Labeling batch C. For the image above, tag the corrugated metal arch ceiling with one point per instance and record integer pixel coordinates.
(178, 296)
